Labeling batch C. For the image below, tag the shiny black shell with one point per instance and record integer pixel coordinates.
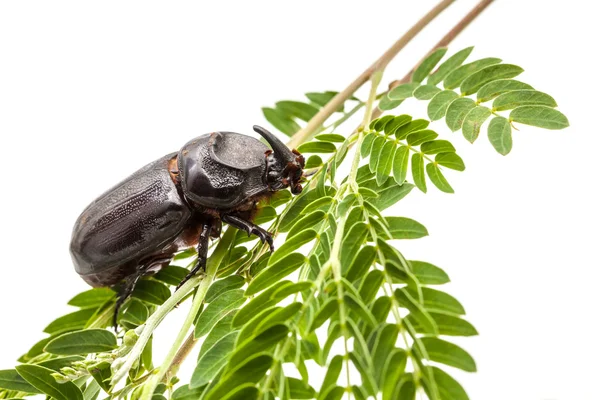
(134, 220)
(159, 209)
(221, 170)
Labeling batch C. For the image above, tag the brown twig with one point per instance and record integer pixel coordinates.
(181, 355)
(447, 39)
(339, 99)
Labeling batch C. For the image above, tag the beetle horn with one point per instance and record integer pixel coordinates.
(278, 147)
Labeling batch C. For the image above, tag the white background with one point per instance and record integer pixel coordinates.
(89, 92)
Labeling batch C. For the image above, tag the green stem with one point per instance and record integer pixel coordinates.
(149, 327)
(211, 269)
(375, 79)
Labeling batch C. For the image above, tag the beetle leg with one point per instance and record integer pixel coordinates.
(202, 253)
(124, 292)
(250, 228)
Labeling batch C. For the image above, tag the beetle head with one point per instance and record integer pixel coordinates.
(284, 166)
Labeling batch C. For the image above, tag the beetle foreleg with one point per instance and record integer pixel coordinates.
(207, 228)
(250, 228)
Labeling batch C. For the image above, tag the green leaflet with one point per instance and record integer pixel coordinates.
(313, 161)
(425, 92)
(152, 292)
(437, 146)
(367, 143)
(449, 65)
(480, 78)
(405, 228)
(456, 77)
(361, 263)
(518, 98)
(332, 374)
(450, 160)
(223, 285)
(310, 220)
(403, 91)
(394, 369)
(41, 378)
(500, 135)
(317, 147)
(438, 179)
(218, 308)
(436, 109)
(299, 390)
(317, 204)
(384, 165)
(448, 353)
(380, 123)
(297, 109)
(264, 215)
(419, 137)
(82, 342)
(172, 274)
(426, 321)
(321, 98)
(540, 116)
(92, 298)
(136, 313)
(386, 104)
(212, 361)
(248, 373)
(400, 164)
(262, 341)
(428, 274)
(351, 243)
(438, 301)
(418, 171)
(11, 380)
(423, 70)
(73, 321)
(292, 244)
(280, 121)
(497, 87)
(222, 328)
(457, 111)
(473, 122)
(378, 143)
(393, 125)
(415, 125)
(384, 345)
(447, 325)
(447, 386)
(330, 137)
(275, 272)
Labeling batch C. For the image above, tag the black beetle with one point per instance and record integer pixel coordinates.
(177, 202)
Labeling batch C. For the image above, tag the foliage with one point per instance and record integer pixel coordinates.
(449, 87)
(338, 281)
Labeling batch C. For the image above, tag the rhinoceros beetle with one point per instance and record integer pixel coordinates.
(177, 202)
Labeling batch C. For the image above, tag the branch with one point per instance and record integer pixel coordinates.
(447, 39)
(339, 99)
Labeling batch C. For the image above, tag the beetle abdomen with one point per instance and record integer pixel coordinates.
(130, 222)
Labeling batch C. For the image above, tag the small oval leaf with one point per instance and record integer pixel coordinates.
(436, 109)
(500, 135)
(486, 75)
(473, 122)
(540, 116)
